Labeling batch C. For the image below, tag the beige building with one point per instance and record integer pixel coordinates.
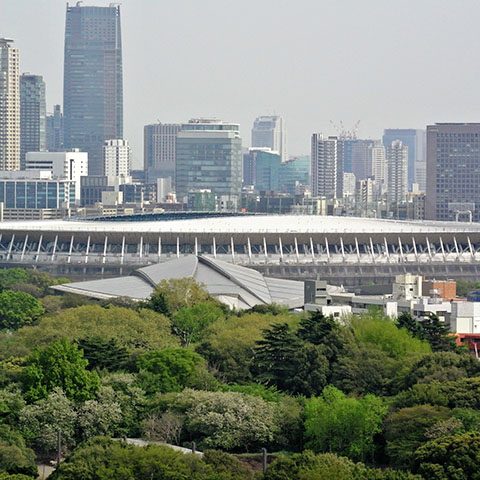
(117, 158)
(9, 106)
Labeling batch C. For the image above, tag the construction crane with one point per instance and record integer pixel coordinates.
(343, 133)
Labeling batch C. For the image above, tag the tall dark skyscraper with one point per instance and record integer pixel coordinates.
(32, 116)
(93, 80)
(453, 171)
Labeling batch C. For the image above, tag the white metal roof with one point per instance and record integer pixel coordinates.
(244, 224)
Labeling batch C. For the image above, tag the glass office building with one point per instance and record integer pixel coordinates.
(209, 157)
(36, 193)
(93, 80)
(33, 113)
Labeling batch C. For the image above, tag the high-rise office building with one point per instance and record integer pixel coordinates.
(360, 158)
(33, 134)
(159, 141)
(9, 106)
(453, 171)
(269, 131)
(55, 130)
(117, 158)
(397, 171)
(209, 157)
(415, 141)
(326, 165)
(92, 85)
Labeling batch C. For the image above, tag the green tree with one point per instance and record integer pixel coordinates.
(11, 402)
(406, 320)
(437, 334)
(98, 417)
(190, 324)
(405, 431)
(157, 303)
(284, 361)
(181, 292)
(15, 457)
(11, 276)
(18, 309)
(450, 458)
(104, 459)
(60, 364)
(136, 331)
(443, 366)
(344, 425)
(227, 420)
(40, 422)
(230, 343)
(103, 354)
(169, 370)
(121, 388)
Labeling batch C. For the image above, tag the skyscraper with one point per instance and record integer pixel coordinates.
(453, 171)
(9, 106)
(397, 171)
(55, 130)
(326, 164)
(377, 166)
(415, 141)
(159, 141)
(33, 135)
(269, 131)
(209, 157)
(93, 81)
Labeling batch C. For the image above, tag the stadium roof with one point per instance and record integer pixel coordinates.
(233, 285)
(245, 224)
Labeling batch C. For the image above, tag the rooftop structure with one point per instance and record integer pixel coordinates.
(238, 287)
(342, 250)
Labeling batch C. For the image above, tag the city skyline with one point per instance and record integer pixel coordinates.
(302, 94)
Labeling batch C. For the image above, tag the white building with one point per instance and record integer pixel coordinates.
(378, 164)
(397, 171)
(269, 131)
(9, 106)
(349, 184)
(465, 317)
(117, 158)
(68, 165)
(325, 161)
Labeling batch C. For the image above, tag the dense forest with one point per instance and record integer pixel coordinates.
(362, 398)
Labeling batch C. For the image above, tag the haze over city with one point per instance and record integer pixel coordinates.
(404, 64)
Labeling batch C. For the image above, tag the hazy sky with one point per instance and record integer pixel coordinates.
(404, 63)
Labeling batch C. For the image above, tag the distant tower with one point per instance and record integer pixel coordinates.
(33, 136)
(55, 130)
(415, 140)
(117, 158)
(93, 80)
(397, 171)
(453, 171)
(378, 165)
(159, 141)
(9, 106)
(270, 132)
(209, 157)
(326, 164)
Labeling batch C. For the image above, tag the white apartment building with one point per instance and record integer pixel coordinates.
(349, 182)
(9, 106)
(397, 171)
(269, 131)
(117, 158)
(68, 165)
(378, 164)
(325, 159)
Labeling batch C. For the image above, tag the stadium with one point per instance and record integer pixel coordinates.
(342, 250)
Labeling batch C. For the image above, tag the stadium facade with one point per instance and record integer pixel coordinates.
(341, 250)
